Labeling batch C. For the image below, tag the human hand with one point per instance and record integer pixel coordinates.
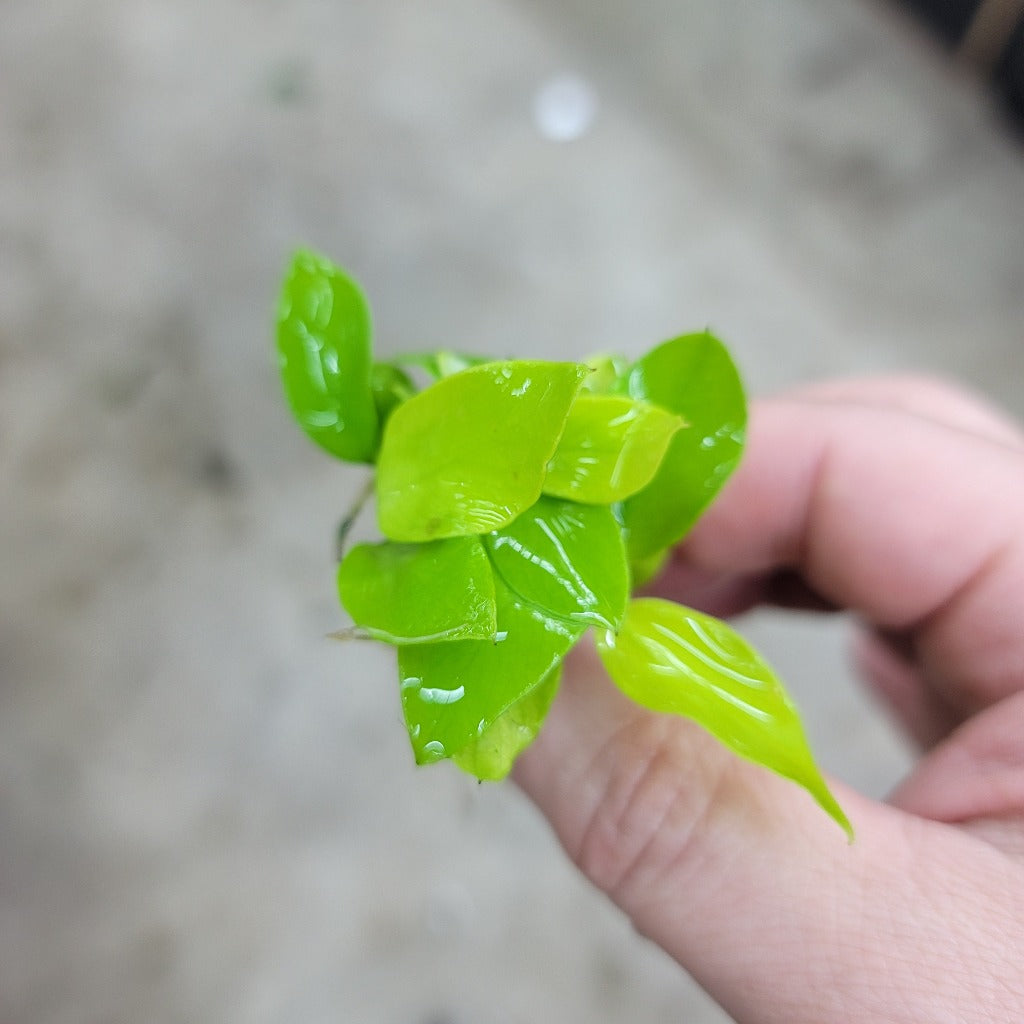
(903, 501)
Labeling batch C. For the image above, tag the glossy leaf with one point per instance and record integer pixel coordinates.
(469, 454)
(390, 387)
(419, 593)
(673, 659)
(611, 448)
(453, 692)
(567, 559)
(693, 376)
(491, 755)
(323, 346)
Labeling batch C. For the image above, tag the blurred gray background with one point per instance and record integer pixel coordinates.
(207, 810)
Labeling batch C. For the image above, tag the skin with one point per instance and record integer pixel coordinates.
(901, 500)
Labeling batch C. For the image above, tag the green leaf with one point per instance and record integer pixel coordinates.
(611, 448)
(323, 347)
(605, 373)
(390, 386)
(673, 659)
(441, 363)
(419, 593)
(693, 376)
(491, 755)
(468, 454)
(567, 559)
(643, 570)
(453, 692)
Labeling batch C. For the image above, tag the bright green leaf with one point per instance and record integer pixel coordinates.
(447, 362)
(693, 376)
(390, 386)
(323, 346)
(605, 373)
(453, 692)
(441, 363)
(673, 659)
(491, 755)
(567, 559)
(611, 448)
(468, 454)
(419, 593)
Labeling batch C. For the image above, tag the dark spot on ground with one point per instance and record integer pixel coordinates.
(217, 471)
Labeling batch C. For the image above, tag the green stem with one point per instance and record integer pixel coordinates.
(345, 526)
(350, 633)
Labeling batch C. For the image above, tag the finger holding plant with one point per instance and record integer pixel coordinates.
(521, 501)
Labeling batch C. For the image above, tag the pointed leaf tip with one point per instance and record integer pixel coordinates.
(680, 661)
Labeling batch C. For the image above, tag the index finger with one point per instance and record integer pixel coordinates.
(912, 523)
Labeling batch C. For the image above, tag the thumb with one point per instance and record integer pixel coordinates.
(739, 876)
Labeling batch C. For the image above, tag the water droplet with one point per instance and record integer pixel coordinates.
(435, 695)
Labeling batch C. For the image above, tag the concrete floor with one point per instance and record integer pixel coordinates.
(207, 812)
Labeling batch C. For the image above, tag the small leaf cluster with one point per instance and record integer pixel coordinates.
(521, 501)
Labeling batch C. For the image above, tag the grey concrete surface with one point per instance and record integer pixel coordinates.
(207, 812)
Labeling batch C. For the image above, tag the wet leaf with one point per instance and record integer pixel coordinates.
(469, 454)
(693, 376)
(491, 755)
(453, 692)
(611, 448)
(567, 559)
(323, 346)
(420, 593)
(673, 659)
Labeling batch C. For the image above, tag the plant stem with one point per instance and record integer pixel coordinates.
(349, 633)
(345, 526)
